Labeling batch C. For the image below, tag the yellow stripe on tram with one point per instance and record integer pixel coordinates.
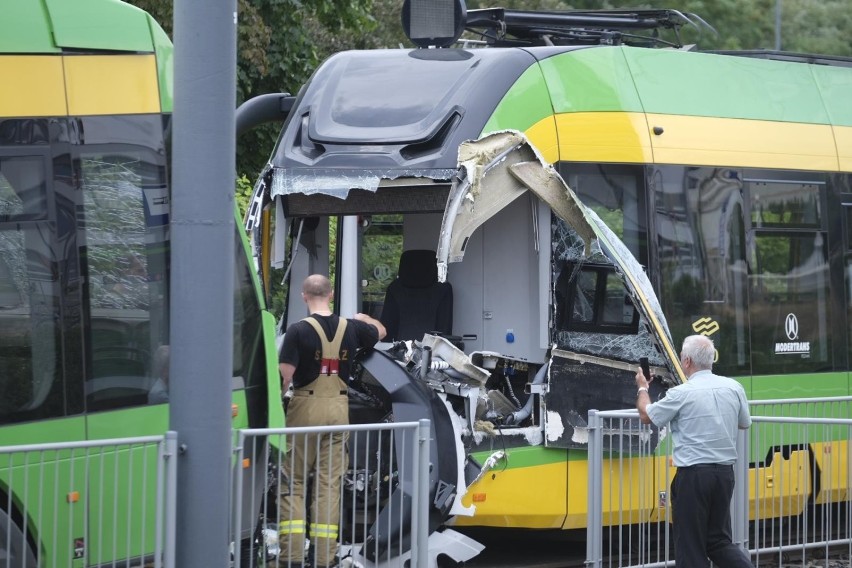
(698, 140)
(32, 86)
(543, 136)
(629, 137)
(620, 137)
(111, 84)
(843, 138)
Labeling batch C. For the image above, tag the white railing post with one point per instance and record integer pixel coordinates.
(739, 508)
(238, 454)
(170, 544)
(594, 546)
(420, 518)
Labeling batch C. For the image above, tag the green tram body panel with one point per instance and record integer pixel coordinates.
(723, 111)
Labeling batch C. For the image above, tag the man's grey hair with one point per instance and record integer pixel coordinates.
(700, 350)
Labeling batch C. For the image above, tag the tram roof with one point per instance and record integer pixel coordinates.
(55, 26)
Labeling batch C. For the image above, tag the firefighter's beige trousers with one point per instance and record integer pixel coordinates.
(326, 456)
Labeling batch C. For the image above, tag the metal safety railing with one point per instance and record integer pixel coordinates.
(793, 491)
(103, 502)
(376, 515)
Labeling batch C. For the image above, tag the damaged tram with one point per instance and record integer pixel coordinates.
(720, 183)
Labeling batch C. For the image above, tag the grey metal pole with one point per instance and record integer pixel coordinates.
(202, 271)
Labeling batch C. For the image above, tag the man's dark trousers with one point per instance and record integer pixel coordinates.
(701, 495)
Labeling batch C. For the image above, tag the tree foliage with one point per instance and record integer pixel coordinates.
(807, 26)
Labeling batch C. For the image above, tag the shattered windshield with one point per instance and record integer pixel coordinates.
(628, 341)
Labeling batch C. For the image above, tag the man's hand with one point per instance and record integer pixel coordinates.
(643, 399)
(641, 381)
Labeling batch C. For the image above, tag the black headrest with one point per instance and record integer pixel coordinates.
(418, 268)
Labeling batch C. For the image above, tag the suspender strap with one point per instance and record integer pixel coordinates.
(330, 349)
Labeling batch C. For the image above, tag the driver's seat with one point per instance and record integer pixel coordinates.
(416, 303)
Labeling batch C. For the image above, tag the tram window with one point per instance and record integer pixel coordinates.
(582, 308)
(22, 188)
(785, 204)
(592, 298)
(381, 248)
(124, 230)
(616, 194)
(29, 311)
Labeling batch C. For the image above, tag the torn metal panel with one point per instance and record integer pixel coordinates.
(465, 212)
(579, 383)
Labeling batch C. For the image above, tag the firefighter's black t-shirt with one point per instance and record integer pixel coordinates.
(303, 349)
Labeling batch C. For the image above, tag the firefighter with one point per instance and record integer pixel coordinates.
(315, 359)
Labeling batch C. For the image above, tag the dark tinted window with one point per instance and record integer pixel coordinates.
(592, 312)
(847, 227)
(847, 209)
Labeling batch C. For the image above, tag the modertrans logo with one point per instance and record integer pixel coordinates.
(792, 347)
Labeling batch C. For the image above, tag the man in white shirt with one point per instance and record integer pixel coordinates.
(703, 416)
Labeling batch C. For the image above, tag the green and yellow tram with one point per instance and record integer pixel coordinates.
(728, 176)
